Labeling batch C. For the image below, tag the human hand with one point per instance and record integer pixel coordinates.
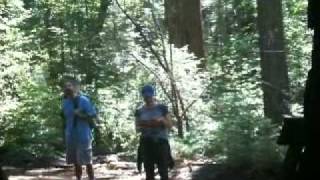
(156, 122)
(148, 124)
(158, 119)
(79, 113)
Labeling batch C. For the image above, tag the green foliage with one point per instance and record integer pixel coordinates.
(299, 49)
(41, 42)
(34, 126)
(236, 131)
(13, 64)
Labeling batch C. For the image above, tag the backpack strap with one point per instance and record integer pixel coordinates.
(137, 113)
(76, 102)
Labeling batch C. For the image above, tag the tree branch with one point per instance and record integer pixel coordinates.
(155, 74)
(139, 29)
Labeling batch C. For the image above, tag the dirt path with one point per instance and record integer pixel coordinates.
(113, 168)
(106, 168)
(102, 171)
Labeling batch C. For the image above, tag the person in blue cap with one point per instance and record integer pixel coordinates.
(153, 122)
(78, 112)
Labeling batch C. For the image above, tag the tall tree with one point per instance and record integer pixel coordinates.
(184, 21)
(273, 59)
(312, 100)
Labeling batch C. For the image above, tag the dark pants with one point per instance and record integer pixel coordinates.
(140, 157)
(155, 152)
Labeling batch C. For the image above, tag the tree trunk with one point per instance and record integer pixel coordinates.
(312, 100)
(273, 59)
(184, 21)
(176, 109)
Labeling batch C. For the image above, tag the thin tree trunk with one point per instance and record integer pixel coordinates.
(273, 59)
(176, 108)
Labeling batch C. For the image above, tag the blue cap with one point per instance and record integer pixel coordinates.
(148, 91)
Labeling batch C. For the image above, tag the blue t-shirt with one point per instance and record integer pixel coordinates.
(79, 131)
(148, 114)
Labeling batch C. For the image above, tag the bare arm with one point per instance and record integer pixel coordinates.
(168, 121)
(138, 126)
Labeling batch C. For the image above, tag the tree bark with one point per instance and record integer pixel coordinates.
(273, 59)
(312, 101)
(184, 22)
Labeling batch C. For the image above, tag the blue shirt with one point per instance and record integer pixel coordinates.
(80, 132)
(148, 114)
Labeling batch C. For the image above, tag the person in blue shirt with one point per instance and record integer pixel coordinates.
(153, 122)
(78, 112)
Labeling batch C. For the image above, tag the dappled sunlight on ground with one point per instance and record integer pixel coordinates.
(192, 170)
(107, 169)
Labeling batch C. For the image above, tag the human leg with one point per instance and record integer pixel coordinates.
(90, 171)
(163, 159)
(148, 158)
(78, 171)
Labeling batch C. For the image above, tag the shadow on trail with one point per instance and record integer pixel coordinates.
(116, 167)
(222, 172)
(215, 172)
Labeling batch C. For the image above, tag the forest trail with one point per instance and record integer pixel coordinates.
(111, 167)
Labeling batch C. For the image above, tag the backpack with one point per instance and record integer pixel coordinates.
(92, 121)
